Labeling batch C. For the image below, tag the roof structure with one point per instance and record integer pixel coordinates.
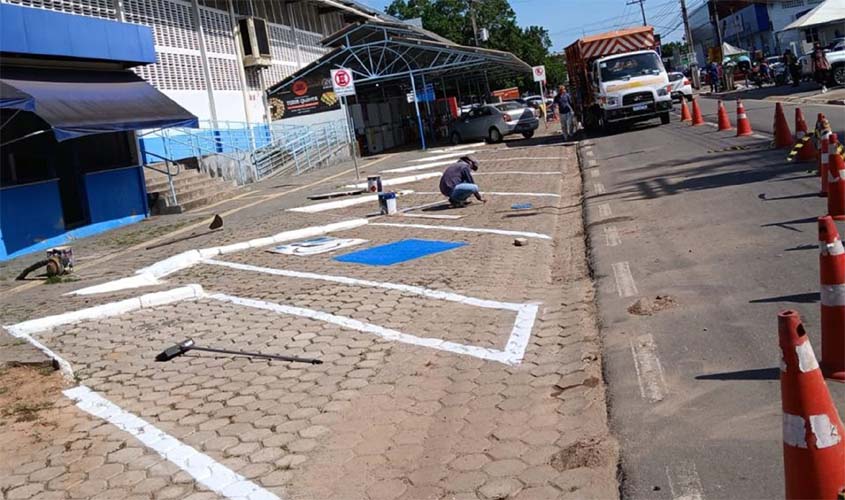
(827, 12)
(383, 51)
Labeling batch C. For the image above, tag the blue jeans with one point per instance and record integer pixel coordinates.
(462, 192)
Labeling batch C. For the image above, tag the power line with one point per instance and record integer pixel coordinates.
(642, 9)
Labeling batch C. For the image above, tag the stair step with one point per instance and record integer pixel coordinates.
(182, 184)
(200, 192)
(207, 200)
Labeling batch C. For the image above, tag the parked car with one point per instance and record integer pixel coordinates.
(494, 121)
(681, 87)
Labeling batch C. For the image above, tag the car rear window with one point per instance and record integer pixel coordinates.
(508, 106)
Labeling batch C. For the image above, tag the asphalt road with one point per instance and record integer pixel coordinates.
(761, 113)
(731, 238)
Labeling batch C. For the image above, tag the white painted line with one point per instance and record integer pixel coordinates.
(499, 193)
(595, 172)
(591, 163)
(413, 168)
(151, 274)
(611, 236)
(711, 124)
(457, 148)
(432, 216)
(590, 153)
(211, 474)
(332, 205)
(604, 210)
(64, 366)
(398, 180)
(512, 354)
(684, 483)
(624, 280)
(523, 158)
(444, 156)
(648, 368)
(598, 188)
(758, 136)
(106, 310)
(506, 172)
(503, 232)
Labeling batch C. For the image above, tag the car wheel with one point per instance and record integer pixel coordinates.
(839, 74)
(528, 134)
(664, 118)
(455, 138)
(494, 136)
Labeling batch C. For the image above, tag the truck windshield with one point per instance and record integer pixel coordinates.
(623, 68)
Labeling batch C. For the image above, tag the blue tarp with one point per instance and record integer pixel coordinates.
(82, 102)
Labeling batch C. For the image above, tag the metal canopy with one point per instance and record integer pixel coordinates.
(378, 52)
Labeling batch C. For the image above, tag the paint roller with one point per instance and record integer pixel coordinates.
(188, 345)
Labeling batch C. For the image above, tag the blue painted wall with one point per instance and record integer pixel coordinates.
(25, 30)
(28, 214)
(114, 194)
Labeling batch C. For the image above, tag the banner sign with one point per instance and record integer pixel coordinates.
(308, 95)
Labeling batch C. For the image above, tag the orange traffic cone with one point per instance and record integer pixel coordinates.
(724, 121)
(697, 119)
(783, 137)
(743, 126)
(685, 116)
(832, 271)
(824, 161)
(835, 182)
(813, 446)
(808, 151)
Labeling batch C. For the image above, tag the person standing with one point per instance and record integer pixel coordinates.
(457, 183)
(820, 66)
(713, 73)
(792, 66)
(563, 105)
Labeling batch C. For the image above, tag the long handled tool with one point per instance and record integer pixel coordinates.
(216, 224)
(189, 345)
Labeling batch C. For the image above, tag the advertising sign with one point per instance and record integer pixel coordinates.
(342, 82)
(308, 95)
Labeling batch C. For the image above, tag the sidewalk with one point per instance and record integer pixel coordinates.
(807, 93)
(471, 373)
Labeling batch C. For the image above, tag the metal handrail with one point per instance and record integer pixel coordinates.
(167, 161)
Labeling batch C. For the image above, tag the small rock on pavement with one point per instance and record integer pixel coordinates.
(520, 242)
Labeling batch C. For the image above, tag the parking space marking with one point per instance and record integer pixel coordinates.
(443, 156)
(517, 172)
(611, 236)
(424, 166)
(595, 172)
(205, 470)
(398, 180)
(504, 232)
(684, 482)
(625, 285)
(332, 205)
(604, 210)
(589, 153)
(598, 188)
(591, 163)
(648, 368)
(501, 193)
(457, 148)
(523, 158)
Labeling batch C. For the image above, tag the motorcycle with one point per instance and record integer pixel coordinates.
(760, 75)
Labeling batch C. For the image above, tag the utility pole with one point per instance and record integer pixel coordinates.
(642, 9)
(472, 17)
(690, 48)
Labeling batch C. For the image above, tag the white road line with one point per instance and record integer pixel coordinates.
(590, 153)
(523, 158)
(517, 172)
(611, 236)
(398, 180)
(595, 172)
(684, 482)
(444, 156)
(503, 232)
(758, 136)
(624, 280)
(598, 188)
(332, 205)
(604, 210)
(512, 354)
(206, 471)
(413, 168)
(457, 148)
(501, 193)
(647, 366)
(591, 163)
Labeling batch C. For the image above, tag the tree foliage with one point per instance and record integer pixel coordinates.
(451, 19)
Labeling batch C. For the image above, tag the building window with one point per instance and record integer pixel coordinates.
(812, 35)
(788, 4)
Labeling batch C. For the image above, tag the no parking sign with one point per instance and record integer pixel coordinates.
(539, 73)
(343, 82)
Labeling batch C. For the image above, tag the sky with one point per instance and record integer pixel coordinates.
(566, 20)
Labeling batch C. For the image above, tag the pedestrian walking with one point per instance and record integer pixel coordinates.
(821, 66)
(790, 62)
(563, 106)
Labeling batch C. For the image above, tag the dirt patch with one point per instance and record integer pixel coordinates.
(27, 393)
(584, 453)
(647, 307)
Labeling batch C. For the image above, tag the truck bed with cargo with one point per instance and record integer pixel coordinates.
(617, 78)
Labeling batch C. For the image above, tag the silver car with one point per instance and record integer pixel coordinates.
(494, 121)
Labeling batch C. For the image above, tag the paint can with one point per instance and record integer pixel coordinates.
(387, 203)
(374, 184)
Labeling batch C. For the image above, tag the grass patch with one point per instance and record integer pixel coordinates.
(67, 278)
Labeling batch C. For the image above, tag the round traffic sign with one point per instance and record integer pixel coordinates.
(342, 78)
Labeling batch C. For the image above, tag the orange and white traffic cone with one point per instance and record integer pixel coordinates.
(783, 137)
(743, 126)
(813, 446)
(724, 121)
(697, 119)
(685, 116)
(824, 161)
(832, 279)
(808, 151)
(835, 182)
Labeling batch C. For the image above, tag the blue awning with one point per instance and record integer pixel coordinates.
(82, 102)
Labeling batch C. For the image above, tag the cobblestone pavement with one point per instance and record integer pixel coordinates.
(379, 419)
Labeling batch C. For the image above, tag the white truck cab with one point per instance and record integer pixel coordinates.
(630, 87)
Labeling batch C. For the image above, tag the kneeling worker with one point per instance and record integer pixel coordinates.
(457, 183)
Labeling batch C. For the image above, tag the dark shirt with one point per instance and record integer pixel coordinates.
(457, 173)
(564, 103)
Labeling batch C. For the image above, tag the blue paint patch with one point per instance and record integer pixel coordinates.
(400, 251)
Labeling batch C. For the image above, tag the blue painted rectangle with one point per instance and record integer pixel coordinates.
(115, 194)
(29, 214)
(400, 251)
(39, 32)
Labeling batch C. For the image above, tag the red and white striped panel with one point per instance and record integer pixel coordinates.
(626, 43)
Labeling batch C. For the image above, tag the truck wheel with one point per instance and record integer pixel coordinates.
(664, 118)
(494, 136)
(528, 134)
(455, 138)
(839, 74)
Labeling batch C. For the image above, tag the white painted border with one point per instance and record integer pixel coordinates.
(413, 168)
(332, 205)
(205, 470)
(398, 180)
(520, 172)
(457, 148)
(523, 234)
(444, 156)
(501, 193)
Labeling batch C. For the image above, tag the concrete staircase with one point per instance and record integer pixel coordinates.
(194, 189)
